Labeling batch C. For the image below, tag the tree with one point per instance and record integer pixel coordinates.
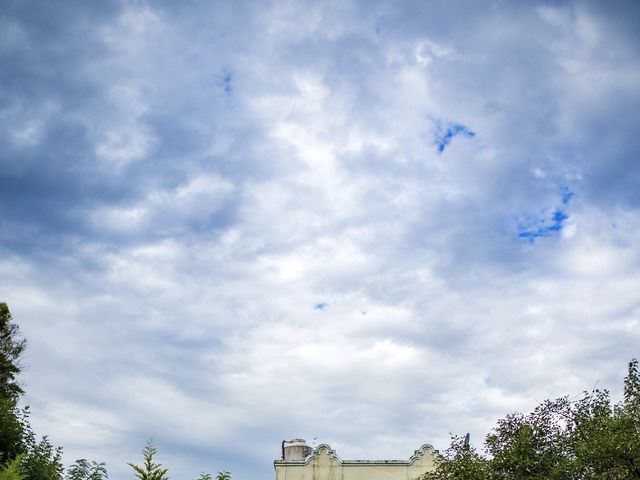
(589, 439)
(11, 347)
(12, 470)
(220, 476)
(12, 421)
(606, 437)
(41, 461)
(149, 470)
(535, 446)
(460, 461)
(82, 469)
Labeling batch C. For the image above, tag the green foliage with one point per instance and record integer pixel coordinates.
(460, 461)
(11, 347)
(535, 446)
(220, 476)
(12, 470)
(590, 439)
(12, 421)
(149, 470)
(82, 469)
(606, 437)
(42, 461)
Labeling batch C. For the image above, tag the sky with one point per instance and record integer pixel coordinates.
(370, 224)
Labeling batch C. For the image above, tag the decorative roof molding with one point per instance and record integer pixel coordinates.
(324, 449)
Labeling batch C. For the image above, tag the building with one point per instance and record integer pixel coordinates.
(300, 462)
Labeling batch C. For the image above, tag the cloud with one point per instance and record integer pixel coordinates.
(182, 186)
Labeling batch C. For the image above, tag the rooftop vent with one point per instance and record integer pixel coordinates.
(296, 449)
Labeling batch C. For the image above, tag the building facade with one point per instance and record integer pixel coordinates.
(301, 462)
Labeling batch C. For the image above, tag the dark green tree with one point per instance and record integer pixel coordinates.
(82, 469)
(12, 470)
(39, 459)
(533, 446)
(606, 437)
(459, 461)
(224, 475)
(12, 421)
(149, 469)
(11, 348)
(589, 439)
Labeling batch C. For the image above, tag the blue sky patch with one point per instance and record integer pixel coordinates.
(320, 306)
(445, 133)
(532, 227)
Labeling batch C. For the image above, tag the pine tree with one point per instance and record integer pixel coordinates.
(11, 347)
(149, 470)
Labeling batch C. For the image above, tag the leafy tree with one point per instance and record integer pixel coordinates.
(460, 461)
(11, 347)
(606, 437)
(82, 469)
(220, 476)
(535, 446)
(149, 470)
(42, 461)
(12, 470)
(590, 439)
(12, 419)
(39, 459)
(11, 429)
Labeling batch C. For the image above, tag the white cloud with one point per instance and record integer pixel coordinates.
(168, 228)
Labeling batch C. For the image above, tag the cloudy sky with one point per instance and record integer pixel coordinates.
(225, 224)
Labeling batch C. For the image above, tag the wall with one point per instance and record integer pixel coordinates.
(324, 464)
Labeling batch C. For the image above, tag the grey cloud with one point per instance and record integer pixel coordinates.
(182, 182)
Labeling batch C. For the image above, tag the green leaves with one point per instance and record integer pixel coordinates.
(149, 470)
(11, 348)
(12, 425)
(82, 469)
(607, 437)
(12, 470)
(460, 461)
(154, 471)
(220, 476)
(42, 461)
(535, 446)
(589, 439)
(632, 388)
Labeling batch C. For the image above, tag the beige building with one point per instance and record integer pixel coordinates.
(300, 462)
